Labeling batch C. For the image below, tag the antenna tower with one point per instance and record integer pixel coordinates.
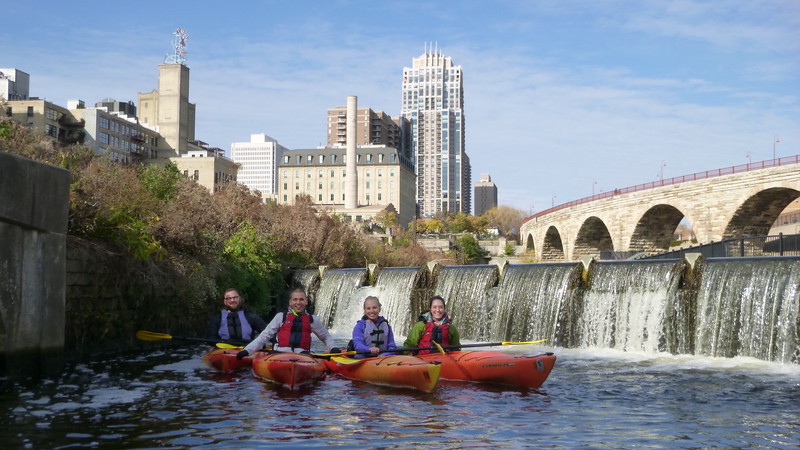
(177, 54)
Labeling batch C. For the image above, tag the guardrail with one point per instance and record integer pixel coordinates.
(785, 161)
(745, 246)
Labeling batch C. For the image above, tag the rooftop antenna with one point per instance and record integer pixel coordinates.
(177, 54)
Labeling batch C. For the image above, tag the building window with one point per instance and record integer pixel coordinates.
(308, 186)
(333, 173)
(310, 159)
(333, 159)
(284, 198)
(367, 185)
(392, 157)
(298, 159)
(196, 175)
(285, 174)
(332, 200)
(297, 174)
(321, 159)
(379, 196)
(358, 159)
(286, 159)
(319, 197)
(320, 174)
(369, 157)
(30, 111)
(391, 172)
(51, 114)
(186, 173)
(296, 186)
(308, 174)
(285, 186)
(333, 185)
(391, 196)
(367, 173)
(368, 199)
(320, 186)
(380, 157)
(51, 130)
(380, 184)
(380, 172)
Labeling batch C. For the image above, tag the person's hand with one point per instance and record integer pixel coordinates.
(335, 350)
(242, 354)
(374, 350)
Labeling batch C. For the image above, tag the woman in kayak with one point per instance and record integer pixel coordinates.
(292, 329)
(372, 334)
(433, 326)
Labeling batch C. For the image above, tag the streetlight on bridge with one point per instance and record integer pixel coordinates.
(749, 161)
(775, 140)
(593, 185)
(661, 171)
(553, 201)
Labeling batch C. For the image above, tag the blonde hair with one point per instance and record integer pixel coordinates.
(372, 297)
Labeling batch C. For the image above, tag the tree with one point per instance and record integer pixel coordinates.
(469, 246)
(386, 219)
(505, 218)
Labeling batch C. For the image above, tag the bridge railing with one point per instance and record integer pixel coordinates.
(742, 168)
(746, 246)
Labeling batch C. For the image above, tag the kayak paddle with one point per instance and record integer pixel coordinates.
(152, 336)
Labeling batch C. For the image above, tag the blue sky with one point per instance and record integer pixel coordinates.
(562, 98)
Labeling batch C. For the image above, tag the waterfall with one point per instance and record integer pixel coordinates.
(464, 289)
(749, 307)
(307, 280)
(335, 286)
(394, 288)
(627, 305)
(530, 302)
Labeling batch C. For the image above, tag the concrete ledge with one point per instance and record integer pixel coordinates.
(33, 194)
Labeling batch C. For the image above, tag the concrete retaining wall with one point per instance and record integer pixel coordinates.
(34, 208)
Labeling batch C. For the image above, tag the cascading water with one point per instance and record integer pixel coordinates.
(394, 288)
(336, 287)
(628, 304)
(749, 307)
(530, 301)
(307, 279)
(464, 289)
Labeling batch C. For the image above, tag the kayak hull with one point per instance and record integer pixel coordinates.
(224, 360)
(518, 371)
(398, 371)
(289, 370)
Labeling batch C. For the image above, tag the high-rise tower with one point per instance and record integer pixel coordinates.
(433, 103)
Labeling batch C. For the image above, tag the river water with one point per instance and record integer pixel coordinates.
(165, 398)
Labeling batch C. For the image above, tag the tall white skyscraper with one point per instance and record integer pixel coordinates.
(433, 103)
(258, 160)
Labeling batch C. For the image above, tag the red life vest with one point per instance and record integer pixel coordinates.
(432, 332)
(295, 331)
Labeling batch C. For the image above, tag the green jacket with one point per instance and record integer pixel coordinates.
(416, 332)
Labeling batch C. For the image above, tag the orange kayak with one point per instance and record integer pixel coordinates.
(224, 360)
(401, 371)
(519, 371)
(290, 370)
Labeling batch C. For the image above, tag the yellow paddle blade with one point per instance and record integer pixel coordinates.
(522, 343)
(441, 350)
(151, 336)
(342, 360)
(352, 352)
(224, 345)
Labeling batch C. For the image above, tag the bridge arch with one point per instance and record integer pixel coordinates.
(553, 248)
(756, 215)
(655, 229)
(530, 246)
(593, 237)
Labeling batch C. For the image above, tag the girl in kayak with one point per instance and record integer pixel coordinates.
(433, 326)
(372, 334)
(293, 329)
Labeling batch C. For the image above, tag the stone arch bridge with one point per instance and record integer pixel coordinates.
(724, 203)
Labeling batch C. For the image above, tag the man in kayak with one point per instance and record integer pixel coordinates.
(234, 322)
(433, 326)
(292, 329)
(372, 333)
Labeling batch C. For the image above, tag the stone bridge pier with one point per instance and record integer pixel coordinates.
(34, 207)
(643, 219)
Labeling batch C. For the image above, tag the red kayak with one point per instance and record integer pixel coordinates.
(224, 360)
(290, 370)
(519, 371)
(400, 371)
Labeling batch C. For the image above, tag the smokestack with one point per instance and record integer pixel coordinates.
(351, 185)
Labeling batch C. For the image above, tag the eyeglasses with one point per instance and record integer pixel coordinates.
(232, 298)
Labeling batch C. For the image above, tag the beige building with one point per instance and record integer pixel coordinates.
(372, 128)
(384, 178)
(258, 164)
(168, 111)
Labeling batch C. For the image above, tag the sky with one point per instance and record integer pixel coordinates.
(562, 98)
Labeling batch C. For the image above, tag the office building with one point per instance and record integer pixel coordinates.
(14, 84)
(433, 103)
(485, 195)
(258, 164)
(385, 180)
(372, 128)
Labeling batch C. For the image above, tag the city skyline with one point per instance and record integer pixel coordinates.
(562, 99)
